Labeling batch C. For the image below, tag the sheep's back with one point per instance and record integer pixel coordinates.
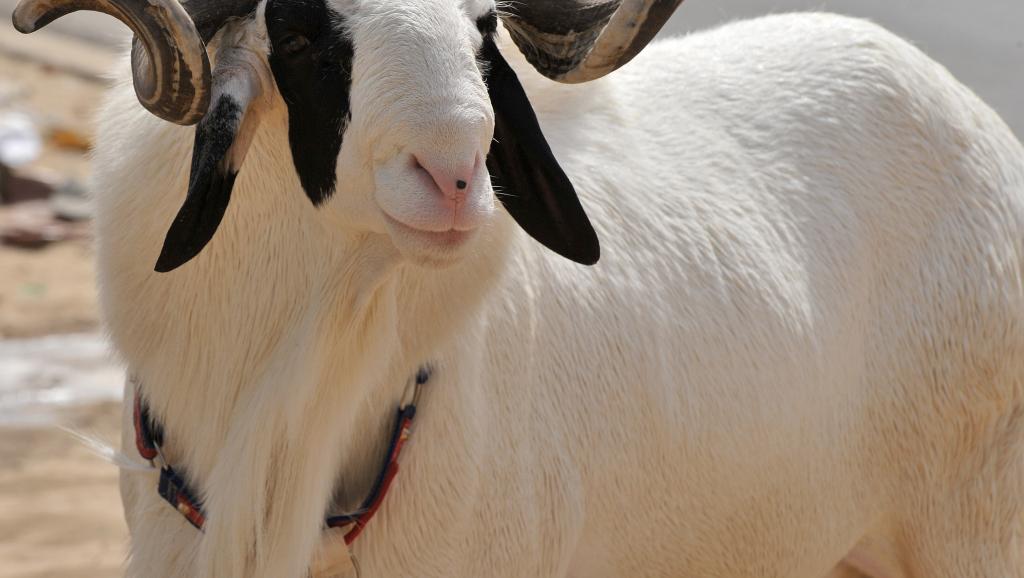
(810, 269)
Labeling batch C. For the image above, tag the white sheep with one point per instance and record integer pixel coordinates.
(801, 351)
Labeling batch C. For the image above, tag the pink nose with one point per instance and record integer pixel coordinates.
(452, 181)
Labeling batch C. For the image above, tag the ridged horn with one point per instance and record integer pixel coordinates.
(170, 67)
(209, 16)
(576, 41)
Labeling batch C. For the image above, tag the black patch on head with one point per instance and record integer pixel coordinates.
(312, 64)
(209, 187)
(488, 23)
(530, 183)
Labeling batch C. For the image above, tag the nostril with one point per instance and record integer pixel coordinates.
(452, 179)
(418, 164)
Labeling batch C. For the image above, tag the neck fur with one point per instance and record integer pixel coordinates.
(277, 358)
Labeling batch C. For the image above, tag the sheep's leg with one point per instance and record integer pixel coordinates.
(974, 538)
(970, 524)
(878, 555)
(846, 571)
(964, 516)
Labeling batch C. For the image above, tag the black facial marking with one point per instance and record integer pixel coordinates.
(209, 187)
(530, 183)
(488, 23)
(312, 63)
(293, 45)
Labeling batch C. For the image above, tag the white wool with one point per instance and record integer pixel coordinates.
(805, 333)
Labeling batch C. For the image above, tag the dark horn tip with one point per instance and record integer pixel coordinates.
(24, 25)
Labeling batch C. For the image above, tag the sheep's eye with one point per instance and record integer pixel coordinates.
(294, 44)
(488, 23)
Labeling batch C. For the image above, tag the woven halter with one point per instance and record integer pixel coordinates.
(176, 491)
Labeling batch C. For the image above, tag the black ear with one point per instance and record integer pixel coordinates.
(214, 168)
(311, 62)
(529, 181)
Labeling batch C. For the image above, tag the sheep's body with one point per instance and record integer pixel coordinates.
(804, 334)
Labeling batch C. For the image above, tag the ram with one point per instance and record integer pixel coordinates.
(802, 351)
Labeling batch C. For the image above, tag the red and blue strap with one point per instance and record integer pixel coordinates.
(369, 507)
(175, 489)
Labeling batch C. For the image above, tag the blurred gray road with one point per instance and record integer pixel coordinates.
(981, 41)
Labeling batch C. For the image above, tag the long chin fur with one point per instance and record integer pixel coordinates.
(106, 451)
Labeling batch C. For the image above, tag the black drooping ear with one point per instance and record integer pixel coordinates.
(311, 61)
(209, 186)
(222, 139)
(531, 184)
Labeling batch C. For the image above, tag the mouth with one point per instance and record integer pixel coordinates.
(429, 245)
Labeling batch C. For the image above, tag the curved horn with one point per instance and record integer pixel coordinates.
(170, 67)
(209, 16)
(577, 41)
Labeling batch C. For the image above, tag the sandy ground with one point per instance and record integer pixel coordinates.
(59, 510)
(60, 513)
(57, 82)
(48, 290)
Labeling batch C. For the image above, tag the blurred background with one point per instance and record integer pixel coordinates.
(59, 509)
